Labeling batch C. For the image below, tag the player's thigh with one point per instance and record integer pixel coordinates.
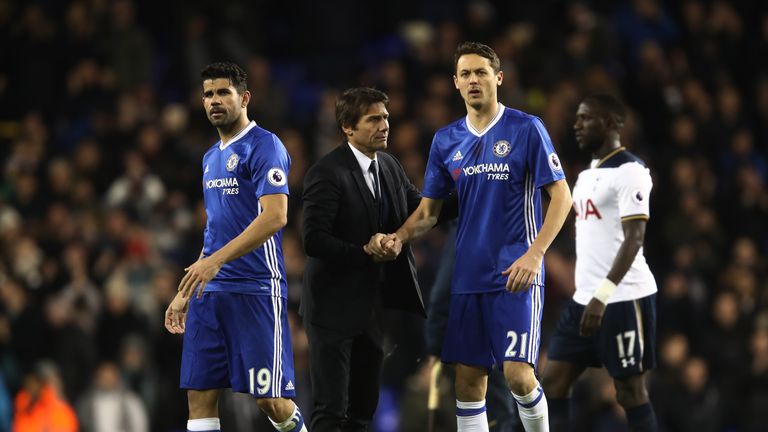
(204, 363)
(513, 321)
(627, 337)
(467, 340)
(567, 345)
(559, 376)
(259, 344)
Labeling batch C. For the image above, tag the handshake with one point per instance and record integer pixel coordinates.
(383, 247)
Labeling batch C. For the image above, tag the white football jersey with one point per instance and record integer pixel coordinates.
(612, 190)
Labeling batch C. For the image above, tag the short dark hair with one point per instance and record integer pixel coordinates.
(482, 50)
(353, 103)
(608, 105)
(234, 73)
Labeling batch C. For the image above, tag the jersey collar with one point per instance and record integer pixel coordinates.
(239, 135)
(495, 120)
(596, 163)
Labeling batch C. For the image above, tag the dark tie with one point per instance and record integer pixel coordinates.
(375, 172)
(377, 193)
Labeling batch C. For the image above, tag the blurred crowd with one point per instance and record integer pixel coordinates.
(102, 133)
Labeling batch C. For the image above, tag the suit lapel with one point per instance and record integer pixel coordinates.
(389, 180)
(362, 187)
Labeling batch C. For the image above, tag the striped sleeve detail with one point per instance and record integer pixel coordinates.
(637, 216)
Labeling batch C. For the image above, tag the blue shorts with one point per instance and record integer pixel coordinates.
(487, 329)
(239, 341)
(625, 343)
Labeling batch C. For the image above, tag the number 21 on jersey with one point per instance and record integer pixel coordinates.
(512, 349)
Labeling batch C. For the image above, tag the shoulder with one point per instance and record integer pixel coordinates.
(455, 127)
(259, 137)
(328, 164)
(520, 118)
(624, 160)
(523, 123)
(391, 161)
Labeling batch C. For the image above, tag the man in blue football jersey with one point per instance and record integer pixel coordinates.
(231, 306)
(497, 158)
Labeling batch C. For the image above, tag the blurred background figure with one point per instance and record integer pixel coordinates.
(40, 406)
(109, 406)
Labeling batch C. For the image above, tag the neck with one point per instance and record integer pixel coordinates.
(226, 134)
(480, 117)
(370, 154)
(606, 149)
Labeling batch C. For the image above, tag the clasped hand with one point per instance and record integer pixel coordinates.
(383, 247)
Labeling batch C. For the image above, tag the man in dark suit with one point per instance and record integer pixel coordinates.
(350, 195)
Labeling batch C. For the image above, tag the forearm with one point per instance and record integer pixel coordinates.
(559, 207)
(415, 227)
(420, 221)
(325, 246)
(634, 235)
(256, 234)
(623, 261)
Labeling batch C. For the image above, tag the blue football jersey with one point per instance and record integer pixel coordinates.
(254, 163)
(497, 174)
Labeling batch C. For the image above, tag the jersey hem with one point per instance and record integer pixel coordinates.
(489, 290)
(636, 216)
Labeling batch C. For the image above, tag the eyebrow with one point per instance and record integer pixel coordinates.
(471, 70)
(218, 90)
(377, 116)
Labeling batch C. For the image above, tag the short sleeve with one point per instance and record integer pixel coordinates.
(543, 162)
(438, 183)
(269, 163)
(634, 191)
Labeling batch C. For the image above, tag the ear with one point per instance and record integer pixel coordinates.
(499, 78)
(456, 82)
(246, 98)
(348, 131)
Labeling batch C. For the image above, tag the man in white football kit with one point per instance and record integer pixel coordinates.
(611, 320)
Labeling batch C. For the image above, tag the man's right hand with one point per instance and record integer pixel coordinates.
(176, 314)
(383, 247)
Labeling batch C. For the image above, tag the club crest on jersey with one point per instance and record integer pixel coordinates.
(554, 162)
(501, 148)
(232, 162)
(637, 196)
(276, 177)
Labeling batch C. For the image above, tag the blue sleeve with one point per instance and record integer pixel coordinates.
(269, 164)
(542, 159)
(438, 183)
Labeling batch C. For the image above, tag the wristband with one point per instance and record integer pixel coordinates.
(604, 291)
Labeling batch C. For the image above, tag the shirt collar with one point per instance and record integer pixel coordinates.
(500, 112)
(363, 160)
(239, 135)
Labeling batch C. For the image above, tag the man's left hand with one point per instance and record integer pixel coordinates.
(592, 317)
